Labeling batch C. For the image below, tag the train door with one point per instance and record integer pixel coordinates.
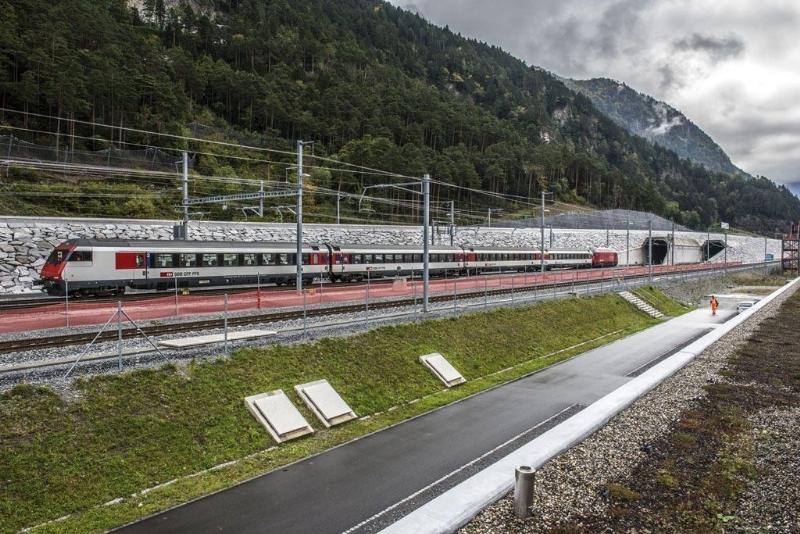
(132, 264)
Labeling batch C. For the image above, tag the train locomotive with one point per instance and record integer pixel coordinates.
(110, 266)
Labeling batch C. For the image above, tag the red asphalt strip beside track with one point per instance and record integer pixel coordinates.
(87, 312)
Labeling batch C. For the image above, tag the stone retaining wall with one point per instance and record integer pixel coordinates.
(25, 242)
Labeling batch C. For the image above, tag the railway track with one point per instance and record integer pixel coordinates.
(35, 302)
(45, 342)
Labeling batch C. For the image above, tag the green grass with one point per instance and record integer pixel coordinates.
(124, 433)
(663, 303)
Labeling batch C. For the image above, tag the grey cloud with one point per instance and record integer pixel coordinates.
(717, 48)
(669, 80)
(674, 50)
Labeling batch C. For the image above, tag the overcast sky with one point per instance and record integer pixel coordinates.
(731, 66)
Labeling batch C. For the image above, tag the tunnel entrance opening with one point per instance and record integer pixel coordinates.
(660, 250)
(712, 247)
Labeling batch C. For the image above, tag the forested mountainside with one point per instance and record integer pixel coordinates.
(370, 83)
(657, 121)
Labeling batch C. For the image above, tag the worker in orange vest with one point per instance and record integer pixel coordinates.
(714, 305)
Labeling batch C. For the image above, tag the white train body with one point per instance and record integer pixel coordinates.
(95, 266)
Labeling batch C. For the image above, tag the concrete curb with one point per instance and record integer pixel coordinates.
(454, 508)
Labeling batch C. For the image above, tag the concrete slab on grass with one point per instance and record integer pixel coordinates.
(278, 415)
(443, 370)
(325, 402)
(212, 339)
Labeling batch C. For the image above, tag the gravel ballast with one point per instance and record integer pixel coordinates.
(575, 485)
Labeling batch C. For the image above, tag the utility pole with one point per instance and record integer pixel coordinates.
(725, 226)
(708, 243)
(541, 225)
(299, 213)
(628, 240)
(452, 221)
(673, 242)
(261, 200)
(185, 195)
(338, 199)
(489, 218)
(650, 250)
(765, 256)
(426, 186)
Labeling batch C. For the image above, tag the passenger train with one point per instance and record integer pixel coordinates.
(107, 267)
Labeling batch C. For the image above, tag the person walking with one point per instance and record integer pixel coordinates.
(714, 305)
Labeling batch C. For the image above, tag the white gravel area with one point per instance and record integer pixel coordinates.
(571, 485)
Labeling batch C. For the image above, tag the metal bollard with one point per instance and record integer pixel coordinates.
(524, 477)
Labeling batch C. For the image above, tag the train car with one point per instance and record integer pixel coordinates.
(357, 262)
(479, 259)
(604, 257)
(94, 266)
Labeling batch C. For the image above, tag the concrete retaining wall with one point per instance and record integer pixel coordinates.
(25, 242)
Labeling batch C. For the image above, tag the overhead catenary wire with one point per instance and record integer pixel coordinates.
(208, 141)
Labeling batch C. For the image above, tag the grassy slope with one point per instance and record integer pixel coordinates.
(656, 298)
(129, 432)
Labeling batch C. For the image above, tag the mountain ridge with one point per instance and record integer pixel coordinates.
(656, 121)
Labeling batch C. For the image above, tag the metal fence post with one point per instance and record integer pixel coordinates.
(225, 324)
(455, 306)
(524, 477)
(414, 292)
(119, 334)
(66, 301)
(366, 300)
(305, 315)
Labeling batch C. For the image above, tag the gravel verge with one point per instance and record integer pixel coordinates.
(575, 485)
(772, 502)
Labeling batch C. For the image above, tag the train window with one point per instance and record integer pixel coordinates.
(306, 259)
(367, 258)
(249, 259)
(281, 259)
(57, 256)
(187, 260)
(356, 259)
(267, 259)
(80, 255)
(209, 260)
(230, 260)
(389, 258)
(163, 261)
(378, 258)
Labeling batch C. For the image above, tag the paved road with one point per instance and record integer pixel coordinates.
(343, 487)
